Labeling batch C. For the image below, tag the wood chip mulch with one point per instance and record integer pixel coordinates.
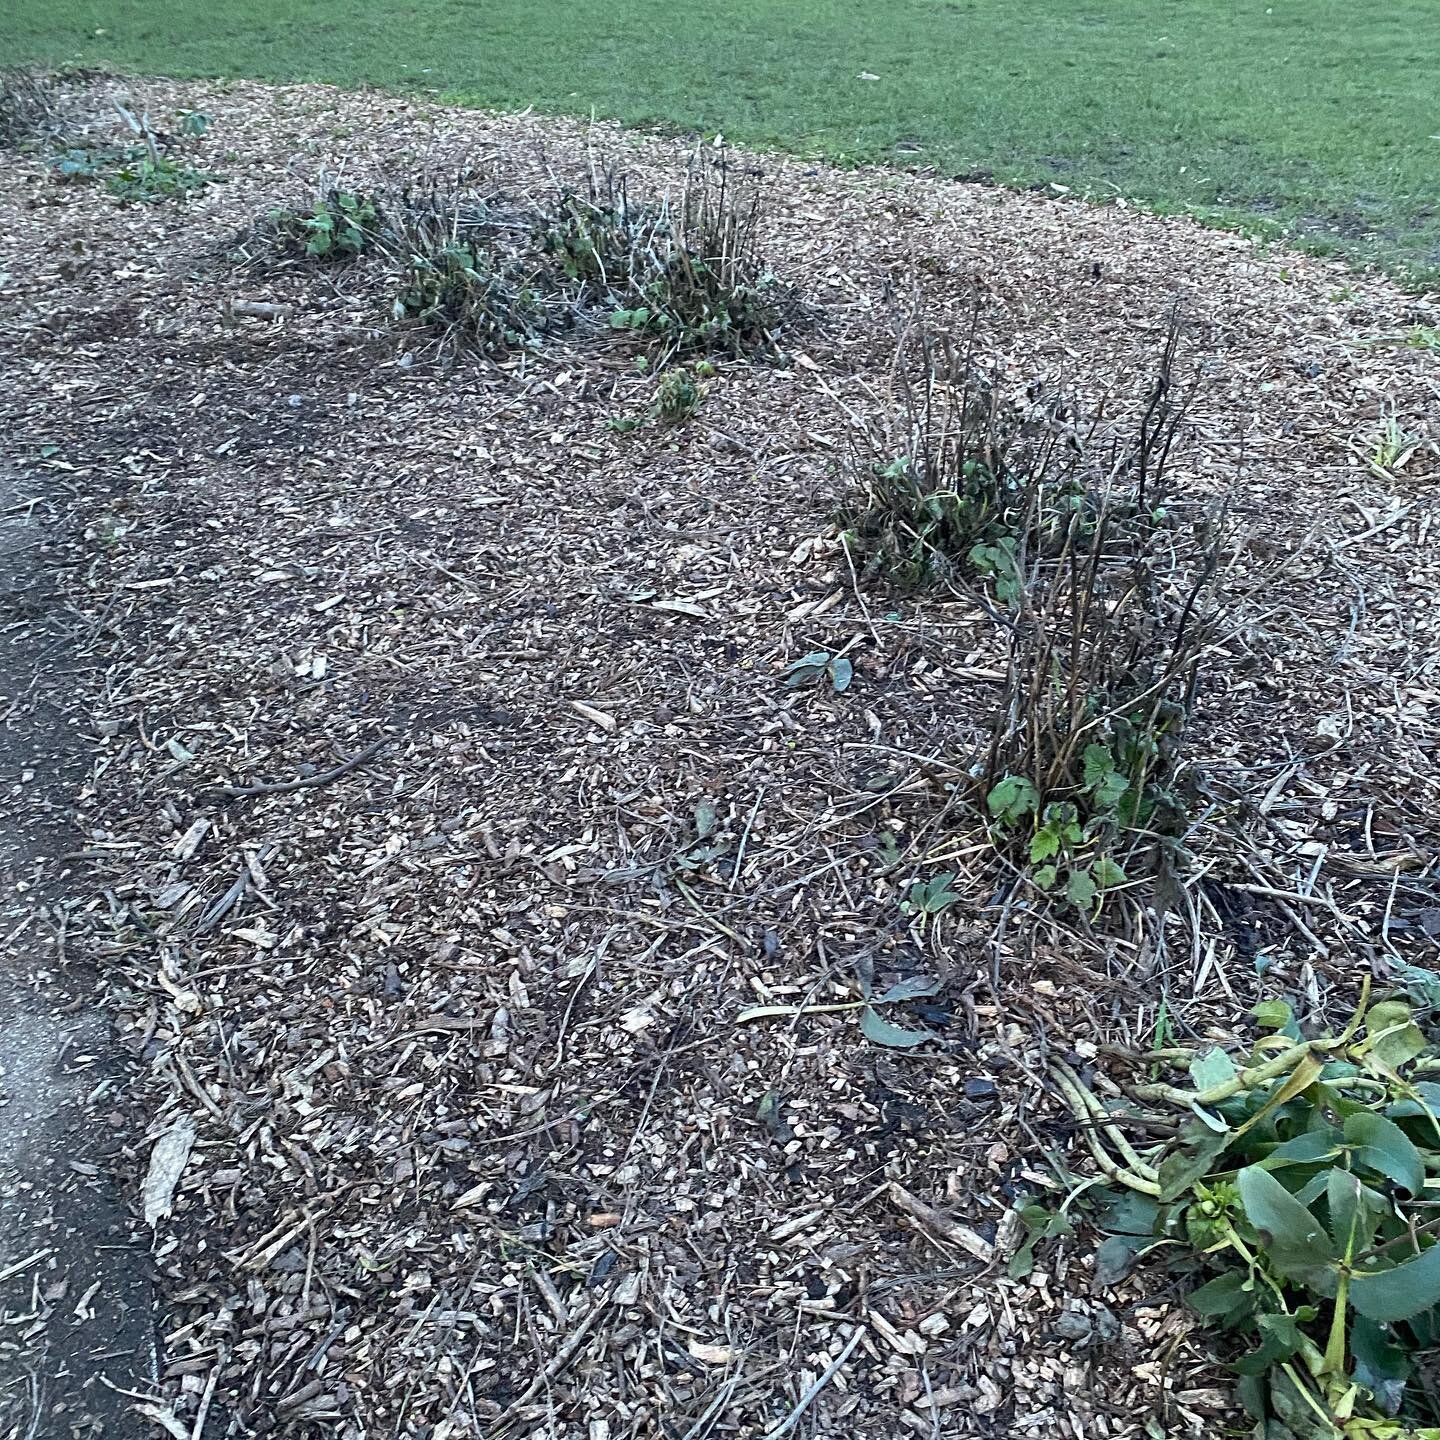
(447, 803)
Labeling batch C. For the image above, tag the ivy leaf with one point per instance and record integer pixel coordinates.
(1132, 1214)
(1180, 1169)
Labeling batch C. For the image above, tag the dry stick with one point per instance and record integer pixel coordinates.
(829, 1373)
(261, 309)
(563, 1356)
(283, 787)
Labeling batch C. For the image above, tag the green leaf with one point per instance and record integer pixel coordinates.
(1012, 797)
(1392, 1036)
(1314, 1147)
(841, 674)
(1043, 845)
(1273, 1014)
(1227, 1294)
(1181, 1168)
(1131, 1214)
(1045, 876)
(1408, 1290)
(874, 1026)
(1080, 889)
(1098, 761)
(1299, 1080)
(1381, 1145)
(1212, 1068)
(936, 895)
(1107, 873)
(1301, 1420)
(1116, 1258)
(807, 669)
(1294, 1242)
(1379, 1366)
(1355, 1212)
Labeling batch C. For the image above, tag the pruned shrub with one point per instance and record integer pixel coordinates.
(31, 107)
(1113, 615)
(961, 484)
(469, 303)
(463, 277)
(686, 276)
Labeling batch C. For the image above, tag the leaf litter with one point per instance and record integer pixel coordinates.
(432, 859)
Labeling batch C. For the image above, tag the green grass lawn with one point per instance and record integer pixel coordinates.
(1317, 118)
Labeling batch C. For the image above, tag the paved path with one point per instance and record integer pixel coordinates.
(75, 1289)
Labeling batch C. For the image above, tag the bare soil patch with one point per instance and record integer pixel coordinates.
(478, 1145)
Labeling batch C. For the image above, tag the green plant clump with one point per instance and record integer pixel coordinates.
(1301, 1196)
(687, 277)
(469, 302)
(678, 396)
(150, 180)
(341, 225)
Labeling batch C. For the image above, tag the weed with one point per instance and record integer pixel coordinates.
(1391, 448)
(145, 172)
(1423, 337)
(678, 396)
(192, 123)
(1295, 1188)
(341, 225)
(149, 180)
